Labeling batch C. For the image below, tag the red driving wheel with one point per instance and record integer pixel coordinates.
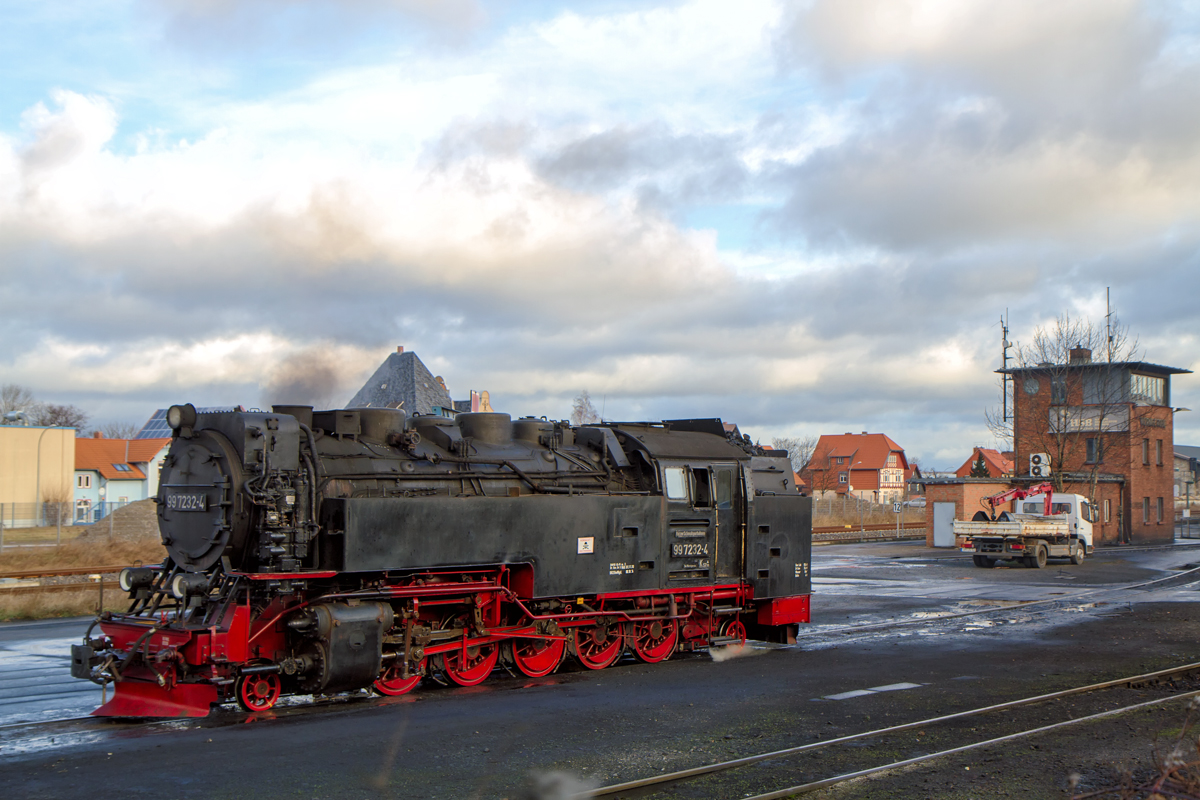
(470, 665)
(538, 657)
(654, 640)
(392, 682)
(258, 692)
(598, 646)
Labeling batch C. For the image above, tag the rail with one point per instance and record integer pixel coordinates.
(640, 787)
(906, 526)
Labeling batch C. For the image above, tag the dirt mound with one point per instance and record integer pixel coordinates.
(136, 522)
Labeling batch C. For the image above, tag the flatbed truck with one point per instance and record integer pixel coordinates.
(1046, 524)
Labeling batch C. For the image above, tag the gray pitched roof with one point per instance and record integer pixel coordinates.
(402, 381)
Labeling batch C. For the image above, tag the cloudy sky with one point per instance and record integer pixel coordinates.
(803, 217)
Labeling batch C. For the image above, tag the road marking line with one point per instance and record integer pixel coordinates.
(891, 687)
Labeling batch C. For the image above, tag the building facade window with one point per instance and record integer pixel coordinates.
(843, 477)
(1145, 451)
(1160, 510)
(839, 461)
(1107, 510)
(891, 462)
(1146, 510)
(1095, 452)
(1158, 452)
(83, 481)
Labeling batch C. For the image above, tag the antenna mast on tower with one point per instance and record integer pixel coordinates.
(1108, 321)
(1004, 345)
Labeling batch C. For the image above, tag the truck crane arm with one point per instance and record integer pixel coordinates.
(1019, 493)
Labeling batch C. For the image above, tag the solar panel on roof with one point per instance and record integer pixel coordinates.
(157, 428)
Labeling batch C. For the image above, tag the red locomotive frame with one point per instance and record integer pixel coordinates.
(457, 623)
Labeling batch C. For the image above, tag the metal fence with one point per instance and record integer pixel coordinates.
(24, 517)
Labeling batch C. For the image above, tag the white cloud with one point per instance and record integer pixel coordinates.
(506, 210)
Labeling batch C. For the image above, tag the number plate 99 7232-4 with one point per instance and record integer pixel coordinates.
(688, 549)
(187, 502)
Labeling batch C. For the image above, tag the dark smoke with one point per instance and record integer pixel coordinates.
(309, 378)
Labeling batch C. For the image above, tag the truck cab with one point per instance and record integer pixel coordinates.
(1079, 513)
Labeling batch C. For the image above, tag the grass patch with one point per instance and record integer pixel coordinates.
(46, 605)
(88, 551)
(44, 535)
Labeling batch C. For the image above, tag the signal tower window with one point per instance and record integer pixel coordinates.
(1058, 391)
(676, 483)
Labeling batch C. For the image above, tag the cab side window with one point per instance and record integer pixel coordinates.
(701, 488)
(724, 488)
(676, 483)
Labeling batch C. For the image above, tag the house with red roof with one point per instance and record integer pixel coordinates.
(115, 471)
(999, 465)
(866, 465)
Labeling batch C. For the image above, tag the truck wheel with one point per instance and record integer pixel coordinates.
(983, 561)
(1039, 559)
(1077, 556)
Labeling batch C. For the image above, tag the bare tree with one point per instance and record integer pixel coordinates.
(14, 397)
(118, 430)
(56, 416)
(799, 449)
(583, 412)
(1080, 404)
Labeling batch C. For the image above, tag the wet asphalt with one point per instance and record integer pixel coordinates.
(508, 735)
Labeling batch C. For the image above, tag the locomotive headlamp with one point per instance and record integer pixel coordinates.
(181, 416)
(183, 585)
(132, 578)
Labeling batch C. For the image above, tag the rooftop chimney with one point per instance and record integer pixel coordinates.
(1081, 355)
(97, 435)
(400, 348)
(864, 433)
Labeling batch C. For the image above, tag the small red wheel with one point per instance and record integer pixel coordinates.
(471, 665)
(655, 640)
(734, 629)
(258, 692)
(392, 682)
(538, 657)
(598, 646)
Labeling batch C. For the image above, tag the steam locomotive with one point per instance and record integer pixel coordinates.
(316, 552)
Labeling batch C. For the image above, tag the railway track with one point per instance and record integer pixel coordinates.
(648, 787)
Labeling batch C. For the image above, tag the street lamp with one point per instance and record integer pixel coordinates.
(37, 498)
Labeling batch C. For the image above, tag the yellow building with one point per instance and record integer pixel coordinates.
(36, 465)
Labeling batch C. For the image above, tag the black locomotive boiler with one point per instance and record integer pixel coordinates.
(314, 552)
